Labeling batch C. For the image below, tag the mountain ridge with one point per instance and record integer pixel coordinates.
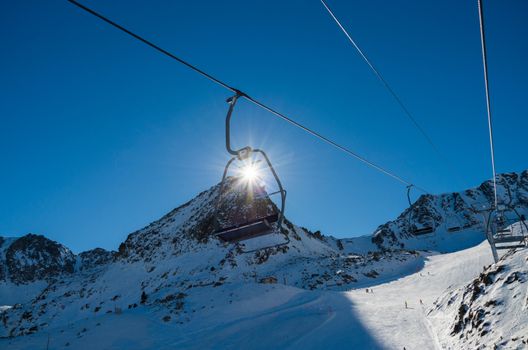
(164, 266)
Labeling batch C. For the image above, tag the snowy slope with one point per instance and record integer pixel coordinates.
(446, 211)
(353, 319)
(264, 316)
(172, 259)
(28, 264)
(173, 284)
(491, 310)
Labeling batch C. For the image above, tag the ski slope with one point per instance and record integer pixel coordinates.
(264, 316)
(384, 314)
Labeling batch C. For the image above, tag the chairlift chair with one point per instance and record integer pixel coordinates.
(417, 231)
(453, 221)
(503, 228)
(262, 224)
(503, 225)
(423, 230)
(504, 237)
(454, 225)
(249, 229)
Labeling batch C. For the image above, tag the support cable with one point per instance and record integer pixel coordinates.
(488, 103)
(385, 83)
(246, 96)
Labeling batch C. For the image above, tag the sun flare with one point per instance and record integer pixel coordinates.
(250, 173)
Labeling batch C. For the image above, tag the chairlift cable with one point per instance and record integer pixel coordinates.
(332, 143)
(386, 84)
(154, 46)
(244, 95)
(488, 103)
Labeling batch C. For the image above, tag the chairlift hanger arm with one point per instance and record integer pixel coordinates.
(244, 152)
(281, 189)
(232, 102)
(222, 184)
(409, 187)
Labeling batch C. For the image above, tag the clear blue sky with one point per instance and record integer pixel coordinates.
(101, 135)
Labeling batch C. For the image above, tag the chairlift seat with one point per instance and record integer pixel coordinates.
(423, 230)
(508, 239)
(251, 229)
(502, 247)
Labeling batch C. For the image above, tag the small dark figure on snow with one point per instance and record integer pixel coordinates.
(406, 306)
(143, 297)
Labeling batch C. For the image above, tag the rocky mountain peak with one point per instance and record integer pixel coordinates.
(35, 257)
(95, 257)
(195, 222)
(446, 211)
(173, 261)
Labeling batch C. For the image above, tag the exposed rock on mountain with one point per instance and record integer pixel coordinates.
(171, 266)
(95, 257)
(196, 220)
(444, 212)
(489, 312)
(34, 257)
(165, 263)
(31, 263)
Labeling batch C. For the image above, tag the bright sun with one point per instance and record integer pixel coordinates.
(249, 173)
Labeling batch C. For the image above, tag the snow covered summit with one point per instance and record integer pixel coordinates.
(456, 219)
(174, 284)
(164, 265)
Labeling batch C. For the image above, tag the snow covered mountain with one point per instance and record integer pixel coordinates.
(161, 264)
(449, 211)
(175, 278)
(28, 264)
(33, 257)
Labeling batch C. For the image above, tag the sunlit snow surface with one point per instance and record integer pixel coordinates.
(202, 293)
(264, 316)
